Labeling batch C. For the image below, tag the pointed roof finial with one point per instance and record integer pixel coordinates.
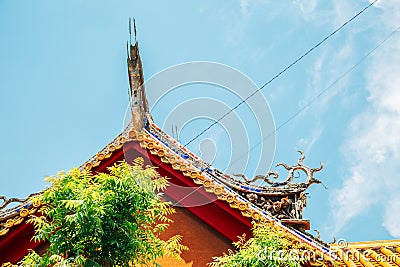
(130, 31)
(127, 49)
(139, 105)
(134, 28)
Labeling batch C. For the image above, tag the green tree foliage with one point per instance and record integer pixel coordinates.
(267, 247)
(103, 220)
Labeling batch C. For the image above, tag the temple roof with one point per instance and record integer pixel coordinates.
(238, 195)
(280, 203)
(160, 145)
(372, 253)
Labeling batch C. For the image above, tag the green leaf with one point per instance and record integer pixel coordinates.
(110, 218)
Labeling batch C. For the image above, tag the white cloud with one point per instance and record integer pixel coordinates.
(385, 79)
(328, 67)
(392, 216)
(343, 11)
(374, 166)
(244, 6)
(372, 148)
(306, 7)
(314, 83)
(392, 12)
(306, 144)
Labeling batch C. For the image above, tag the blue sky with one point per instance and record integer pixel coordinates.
(63, 84)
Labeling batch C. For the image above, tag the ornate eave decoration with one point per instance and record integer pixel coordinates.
(288, 182)
(285, 199)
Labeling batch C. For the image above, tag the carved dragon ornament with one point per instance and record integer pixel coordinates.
(291, 175)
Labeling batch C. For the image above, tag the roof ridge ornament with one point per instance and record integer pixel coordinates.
(289, 179)
(130, 30)
(7, 201)
(282, 199)
(137, 93)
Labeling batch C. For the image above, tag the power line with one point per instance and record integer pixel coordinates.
(282, 71)
(294, 115)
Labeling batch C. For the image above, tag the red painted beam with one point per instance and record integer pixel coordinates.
(15, 244)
